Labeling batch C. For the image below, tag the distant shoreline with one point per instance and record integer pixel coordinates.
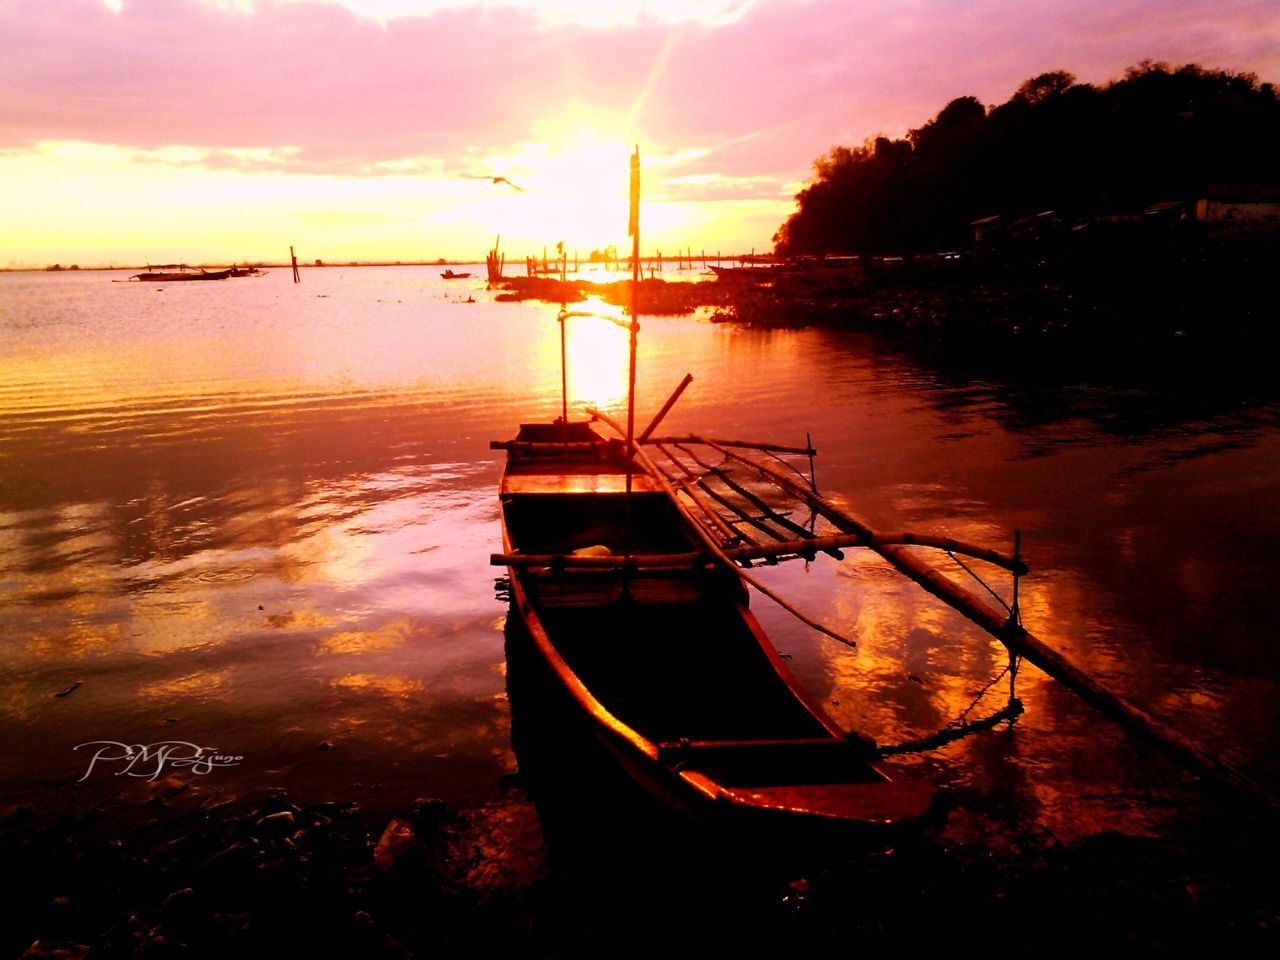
(76, 268)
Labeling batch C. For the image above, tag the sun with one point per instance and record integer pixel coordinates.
(575, 183)
(575, 193)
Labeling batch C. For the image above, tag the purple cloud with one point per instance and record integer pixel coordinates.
(765, 94)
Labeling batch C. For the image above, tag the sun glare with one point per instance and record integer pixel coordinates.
(575, 193)
(596, 357)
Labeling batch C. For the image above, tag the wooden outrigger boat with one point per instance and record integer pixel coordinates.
(642, 620)
(631, 579)
(177, 272)
(652, 637)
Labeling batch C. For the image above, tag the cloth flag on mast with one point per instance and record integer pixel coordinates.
(633, 229)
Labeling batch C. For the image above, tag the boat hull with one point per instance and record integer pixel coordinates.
(667, 669)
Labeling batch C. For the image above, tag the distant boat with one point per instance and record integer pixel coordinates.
(246, 271)
(450, 275)
(750, 274)
(175, 272)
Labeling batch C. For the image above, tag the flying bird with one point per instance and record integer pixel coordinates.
(496, 180)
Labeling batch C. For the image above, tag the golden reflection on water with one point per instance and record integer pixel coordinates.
(192, 687)
(265, 512)
(597, 356)
(389, 636)
(386, 685)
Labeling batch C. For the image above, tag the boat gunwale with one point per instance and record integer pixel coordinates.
(698, 780)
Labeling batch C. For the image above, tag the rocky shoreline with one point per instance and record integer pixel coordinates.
(1073, 309)
(195, 876)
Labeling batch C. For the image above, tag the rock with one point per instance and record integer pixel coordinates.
(278, 823)
(55, 950)
(395, 845)
(179, 904)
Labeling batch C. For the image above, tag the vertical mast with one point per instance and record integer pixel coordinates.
(634, 231)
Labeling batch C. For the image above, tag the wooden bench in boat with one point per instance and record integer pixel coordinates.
(518, 484)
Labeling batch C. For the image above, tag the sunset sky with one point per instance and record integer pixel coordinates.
(219, 130)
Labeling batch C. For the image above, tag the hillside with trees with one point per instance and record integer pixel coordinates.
(1160, 133)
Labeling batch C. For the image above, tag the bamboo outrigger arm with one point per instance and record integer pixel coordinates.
(801, 547)
(809, 547)
(1021, 642)
(713, 548)
(746, 444)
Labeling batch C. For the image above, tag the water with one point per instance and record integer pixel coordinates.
(257, 516)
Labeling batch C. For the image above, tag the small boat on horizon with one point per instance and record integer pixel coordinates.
(178, 272)
(450, 275)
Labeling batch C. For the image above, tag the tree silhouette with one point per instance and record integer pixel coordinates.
(1158, 133)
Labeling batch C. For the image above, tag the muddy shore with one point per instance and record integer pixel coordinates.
(200, 874)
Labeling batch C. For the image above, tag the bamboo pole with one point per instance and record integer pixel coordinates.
(666, 407)
(661, 479)
(1021, 642)
(630, 432)
(720, 498)
(750, 497)
(809, 546)
(746, 444)
(730, 533)
(726, 531)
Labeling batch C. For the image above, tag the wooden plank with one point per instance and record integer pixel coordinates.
(591, 561)
(553, 446)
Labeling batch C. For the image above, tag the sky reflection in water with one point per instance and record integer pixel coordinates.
(258, 516)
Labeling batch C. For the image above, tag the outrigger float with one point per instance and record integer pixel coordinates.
(628, 558)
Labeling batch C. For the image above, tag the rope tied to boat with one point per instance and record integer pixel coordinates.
(962, 726)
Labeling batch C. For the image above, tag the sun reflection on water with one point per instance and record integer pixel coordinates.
(596, 356)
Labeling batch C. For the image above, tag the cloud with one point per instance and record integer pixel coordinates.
(744, 89)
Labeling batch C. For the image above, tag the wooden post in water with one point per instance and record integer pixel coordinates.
(293, 257)
(494, 261)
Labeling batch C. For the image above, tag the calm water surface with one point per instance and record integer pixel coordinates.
(257, 516)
